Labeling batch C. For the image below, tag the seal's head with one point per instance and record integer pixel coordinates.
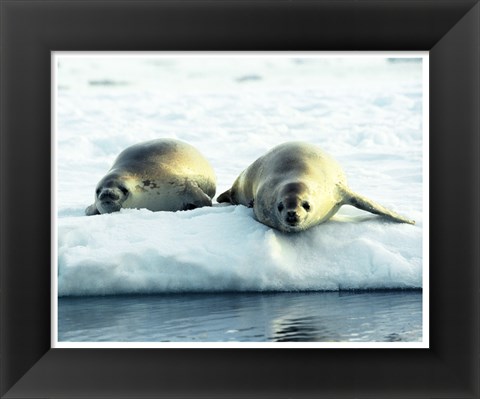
(110, 194)
(293, 207)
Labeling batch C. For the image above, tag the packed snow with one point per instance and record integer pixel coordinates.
(367, 112)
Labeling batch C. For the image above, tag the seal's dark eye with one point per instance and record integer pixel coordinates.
(280, 207)
(306, 206)
(123, 190)
(98, 191)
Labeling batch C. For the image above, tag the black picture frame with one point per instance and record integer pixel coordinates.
(30, 30)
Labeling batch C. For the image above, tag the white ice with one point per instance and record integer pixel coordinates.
(365, 112)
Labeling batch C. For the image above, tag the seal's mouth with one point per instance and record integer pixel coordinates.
(108, 206)
(292, 218)
(293, 221)
(293, 224)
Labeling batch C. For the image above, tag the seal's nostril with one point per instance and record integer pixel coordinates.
(292, 217)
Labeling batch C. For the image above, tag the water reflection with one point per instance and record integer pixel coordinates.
(276, 317)
(301, 329)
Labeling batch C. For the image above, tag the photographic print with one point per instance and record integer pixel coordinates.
(240, 199)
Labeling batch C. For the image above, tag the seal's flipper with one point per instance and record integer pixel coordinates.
(361, 202)
(92, 210)
(225, 197)
(196, 197)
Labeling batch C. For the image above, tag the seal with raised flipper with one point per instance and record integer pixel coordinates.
(159, 175)
(295, 186)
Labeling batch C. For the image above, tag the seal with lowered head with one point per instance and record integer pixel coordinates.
(160, 175)
(296, 186)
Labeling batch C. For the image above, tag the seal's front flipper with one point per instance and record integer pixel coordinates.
(196, 198)
(225, 197)
(361, 202)
(92, 210)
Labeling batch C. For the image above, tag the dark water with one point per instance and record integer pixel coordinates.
(276, 317)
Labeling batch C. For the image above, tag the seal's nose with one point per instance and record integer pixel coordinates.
(292, 217)
(108, 195)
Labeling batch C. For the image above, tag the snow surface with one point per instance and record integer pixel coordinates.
(365, 112)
